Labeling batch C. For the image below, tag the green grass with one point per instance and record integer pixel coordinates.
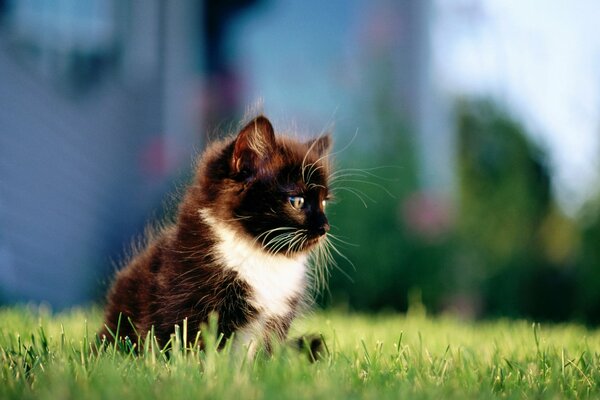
(45, 356)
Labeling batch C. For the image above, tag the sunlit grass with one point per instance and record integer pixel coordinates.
(45, 356)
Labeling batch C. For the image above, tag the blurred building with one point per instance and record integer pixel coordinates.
(94, 114)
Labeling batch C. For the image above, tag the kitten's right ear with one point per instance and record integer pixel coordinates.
(253, 146)
(320, 145)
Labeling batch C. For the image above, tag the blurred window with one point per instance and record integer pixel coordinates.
(74, 41)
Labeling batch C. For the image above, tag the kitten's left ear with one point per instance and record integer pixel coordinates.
(320, 145)
(253, 145)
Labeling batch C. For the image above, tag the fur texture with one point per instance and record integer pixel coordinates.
(239, 245)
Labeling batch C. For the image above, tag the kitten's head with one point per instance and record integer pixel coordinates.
(271, 189)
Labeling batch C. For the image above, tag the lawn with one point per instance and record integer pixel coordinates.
(53, 356)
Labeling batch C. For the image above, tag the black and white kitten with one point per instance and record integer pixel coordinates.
(239, 246)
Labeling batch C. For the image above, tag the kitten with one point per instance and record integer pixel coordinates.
(239, 247)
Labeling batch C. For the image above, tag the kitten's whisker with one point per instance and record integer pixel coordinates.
(323, 157)
(321, 270)
(347, 146)
(276, 243)
(335, 249)
(298, 239)
(368, 171)
(275, 229)
(337, 239)
(314, 185)
(319, 266)
(325, 251)
(293, 240)
(323, 261)
(314, 169)
(303, 237)
(286, 240)
(272, 246)
(357, 193)
(265, 234)
(277, 239)
(329, 155)
(339, 177)
(310, 167)
(304, 240)
(374, 184)
(310, 149)
(281, 246)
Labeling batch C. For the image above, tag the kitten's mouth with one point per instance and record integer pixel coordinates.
(308, 245)
(310, 242)
(294, 247)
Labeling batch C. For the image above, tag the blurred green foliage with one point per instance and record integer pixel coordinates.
(588, 261)
(389, 260)
(504, 203)
(502, 247)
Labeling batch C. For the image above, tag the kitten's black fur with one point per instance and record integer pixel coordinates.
(244, 194)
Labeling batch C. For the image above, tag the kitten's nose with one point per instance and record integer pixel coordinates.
(323, 229)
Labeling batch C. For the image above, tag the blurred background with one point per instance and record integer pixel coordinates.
(473, 126)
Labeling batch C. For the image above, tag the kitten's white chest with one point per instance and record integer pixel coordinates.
(275, 280)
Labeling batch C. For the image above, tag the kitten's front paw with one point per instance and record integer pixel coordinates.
(312, 345)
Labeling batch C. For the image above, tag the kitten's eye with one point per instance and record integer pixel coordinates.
(297, 202)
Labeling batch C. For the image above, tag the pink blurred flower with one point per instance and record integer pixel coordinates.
(427, 216)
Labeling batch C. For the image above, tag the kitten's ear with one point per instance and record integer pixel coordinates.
(320, 145)
(253, 145)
